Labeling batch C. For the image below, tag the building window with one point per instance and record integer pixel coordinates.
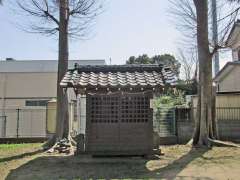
(36, 102)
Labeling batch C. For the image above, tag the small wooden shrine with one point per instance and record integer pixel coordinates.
(118, 105)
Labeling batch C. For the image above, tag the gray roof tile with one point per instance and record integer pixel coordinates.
(119, 76)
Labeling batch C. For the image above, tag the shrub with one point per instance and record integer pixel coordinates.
(170, 100)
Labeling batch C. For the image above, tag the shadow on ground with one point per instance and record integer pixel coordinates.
(19, 156)
(72, 167)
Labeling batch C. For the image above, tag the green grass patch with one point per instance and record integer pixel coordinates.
(17, 146)
(8, 150)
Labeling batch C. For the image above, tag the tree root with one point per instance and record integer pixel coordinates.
(190, 142)
(72, 141)
(50, 143)
(214, 142)
(223, 143)
(65, 145)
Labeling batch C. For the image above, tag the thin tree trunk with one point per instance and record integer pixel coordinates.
(62, 125)
(204, 120)
(214, 113)
(197, 122)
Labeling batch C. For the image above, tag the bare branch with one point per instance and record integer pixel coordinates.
(230, 14)
(188, 62)
(35, 9)
(185, 20)
(45, 14)
(49, 14)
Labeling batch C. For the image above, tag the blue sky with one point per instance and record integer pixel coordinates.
(127, 27)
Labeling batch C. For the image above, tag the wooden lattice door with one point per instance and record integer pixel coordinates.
(102, 122)
(136, 125)
(119, 123)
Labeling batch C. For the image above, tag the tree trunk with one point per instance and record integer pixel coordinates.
(214, 118)
(62, 121)
(204, 120)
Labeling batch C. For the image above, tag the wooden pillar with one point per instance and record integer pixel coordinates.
(81, 116)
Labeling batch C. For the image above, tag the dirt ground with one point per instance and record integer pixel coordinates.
(26, 162)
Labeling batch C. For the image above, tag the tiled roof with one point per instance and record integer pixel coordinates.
(119, 76)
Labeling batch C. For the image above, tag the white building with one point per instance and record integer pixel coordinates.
(25, 89)
(233, 41)
(227, 80)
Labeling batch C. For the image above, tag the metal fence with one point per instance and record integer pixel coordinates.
(183, 114)
(224, 113)
(37, 122)
(17, 123)
(169, 121)
(228, 123)
(228, 113)
(164, 121)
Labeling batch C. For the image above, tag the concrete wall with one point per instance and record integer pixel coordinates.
(184, 132)
(18, 103)
(231, 81)
(30, 80)
(15, 90)
(18, 85)
(228, 130)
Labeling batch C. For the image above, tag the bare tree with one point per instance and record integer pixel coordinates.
(203, 122)
(67, 18)
(206, 128)
(183, 15)
(188, 63)
(194, 19)
(185, 18)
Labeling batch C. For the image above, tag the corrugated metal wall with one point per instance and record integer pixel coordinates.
(223, 100)
(227, 106)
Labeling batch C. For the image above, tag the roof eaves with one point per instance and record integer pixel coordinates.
(229, 42)
(220, 74)
(118, 68)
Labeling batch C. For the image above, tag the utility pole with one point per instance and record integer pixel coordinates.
(215, 35)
